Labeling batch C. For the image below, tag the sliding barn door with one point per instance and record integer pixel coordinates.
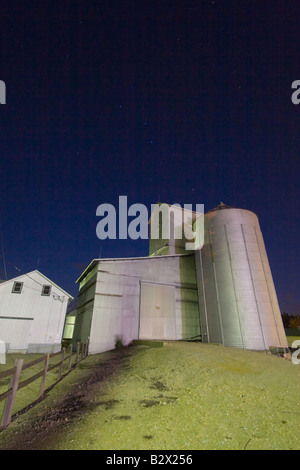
(157, 312)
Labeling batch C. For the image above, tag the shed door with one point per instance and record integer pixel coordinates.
(157, 312)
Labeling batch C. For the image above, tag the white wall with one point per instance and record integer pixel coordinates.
(117, 297)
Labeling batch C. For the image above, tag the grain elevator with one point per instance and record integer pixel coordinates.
(220, 291)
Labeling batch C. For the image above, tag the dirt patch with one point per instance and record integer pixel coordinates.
(159, 400)
(123, 417)
(168, 400)
(149, 403)
(158, 385)
(108, 404)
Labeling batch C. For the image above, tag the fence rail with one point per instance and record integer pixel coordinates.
(15, 373)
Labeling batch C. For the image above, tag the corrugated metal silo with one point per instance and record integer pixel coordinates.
(238, 302)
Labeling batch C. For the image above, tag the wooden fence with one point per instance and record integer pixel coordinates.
(15, 373)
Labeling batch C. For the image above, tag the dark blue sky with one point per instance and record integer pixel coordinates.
(178, 101)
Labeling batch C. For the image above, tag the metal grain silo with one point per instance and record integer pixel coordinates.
(238, 302)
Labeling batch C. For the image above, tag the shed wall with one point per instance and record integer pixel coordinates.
(116, 310)
(85, 306)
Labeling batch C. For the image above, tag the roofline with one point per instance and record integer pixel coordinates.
(43, 275)
(97, 260)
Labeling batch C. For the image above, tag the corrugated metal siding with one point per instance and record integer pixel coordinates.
(208, 297)
(244, 297)
(117, 298)
(278, 337)
(188, 295)
(85, 307)
(229, 313)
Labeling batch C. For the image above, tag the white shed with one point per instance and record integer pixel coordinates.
(146, 298)
(32, 313)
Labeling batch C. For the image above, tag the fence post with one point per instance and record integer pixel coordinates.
(77, 352)
(61, 364)
(42, 388)
(70, 357)
(9, 404)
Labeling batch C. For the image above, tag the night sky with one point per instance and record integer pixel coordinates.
(174, 101)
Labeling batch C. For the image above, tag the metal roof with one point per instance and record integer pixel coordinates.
(97, 260)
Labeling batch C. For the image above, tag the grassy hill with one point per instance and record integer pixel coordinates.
(180, 396)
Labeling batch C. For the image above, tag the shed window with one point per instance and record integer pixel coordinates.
(17, 287)
(46, 289)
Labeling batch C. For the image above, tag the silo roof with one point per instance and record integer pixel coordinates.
(222, 206)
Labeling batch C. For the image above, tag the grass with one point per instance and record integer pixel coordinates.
(180, 396)
(291, 340)
(29, 393)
